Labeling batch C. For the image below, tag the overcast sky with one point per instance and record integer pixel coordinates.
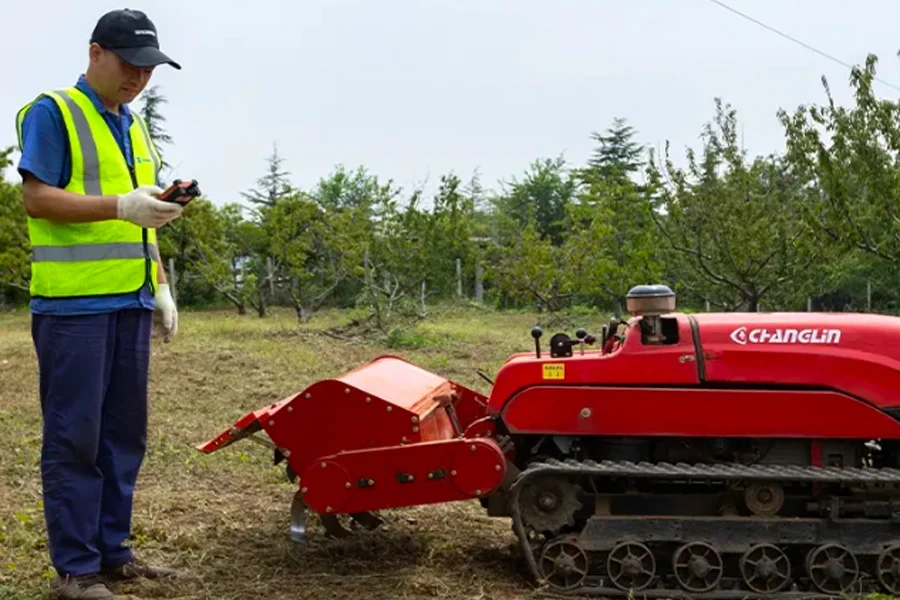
(416, 88)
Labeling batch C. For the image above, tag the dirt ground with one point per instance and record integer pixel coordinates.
(223, 519)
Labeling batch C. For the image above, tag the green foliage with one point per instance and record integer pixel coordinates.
(152, 101)
(847, 160)
(15, 249)
(737, 222)
(313, 250)
(816, 224)
(541, 198)
(273, 185)
(617, 154)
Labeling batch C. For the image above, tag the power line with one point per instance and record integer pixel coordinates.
(795, 40)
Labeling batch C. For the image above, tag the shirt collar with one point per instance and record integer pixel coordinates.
(85, 87)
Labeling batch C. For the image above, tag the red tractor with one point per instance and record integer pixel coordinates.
(702, 455)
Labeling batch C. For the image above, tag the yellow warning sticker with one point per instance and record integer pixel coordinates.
(557, 371)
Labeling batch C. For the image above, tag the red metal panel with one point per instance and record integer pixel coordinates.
(387, 402)
(632, 363)
(377, 479)
(408, 386)
(858, 354)
(695, 412)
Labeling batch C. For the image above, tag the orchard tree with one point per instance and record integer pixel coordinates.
(613, 230)
(542, 198)
(15, 248)
(216, 248)
(532, 269)
(612, 219)
(395, 260)
(448, 234)
(738, 222)
(357, 189)
(848, 160)
(313, 249)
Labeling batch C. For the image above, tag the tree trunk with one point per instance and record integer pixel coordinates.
(479, 283)
(751, 303)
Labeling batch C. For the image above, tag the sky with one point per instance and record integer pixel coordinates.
(413, 89)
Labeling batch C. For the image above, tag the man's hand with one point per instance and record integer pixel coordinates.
(166, 305)
(141, 208)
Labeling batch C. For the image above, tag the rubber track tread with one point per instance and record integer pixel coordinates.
(726, 471)
(716, 471)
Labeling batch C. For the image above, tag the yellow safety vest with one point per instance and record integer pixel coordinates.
(106, 257)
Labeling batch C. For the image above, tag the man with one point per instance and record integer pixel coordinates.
(90, 173)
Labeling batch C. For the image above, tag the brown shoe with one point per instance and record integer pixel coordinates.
(84, 587)
(135, 569)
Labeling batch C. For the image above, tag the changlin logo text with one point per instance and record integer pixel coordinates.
(744, 336)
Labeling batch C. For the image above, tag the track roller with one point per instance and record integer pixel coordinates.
(631, 566)
(888, 569)
(765, 568)
(832, 568)
(697, 567)
(564, 563)
(764, 499)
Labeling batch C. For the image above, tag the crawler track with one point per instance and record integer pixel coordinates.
(710, 556)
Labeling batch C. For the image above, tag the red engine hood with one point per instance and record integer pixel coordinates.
(858, 354)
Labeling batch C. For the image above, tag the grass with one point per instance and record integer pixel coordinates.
(223, 519)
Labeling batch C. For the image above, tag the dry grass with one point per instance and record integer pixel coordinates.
(223, 519)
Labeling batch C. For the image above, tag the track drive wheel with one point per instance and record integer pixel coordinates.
(697, 566)
(832, 568)
(549, 503)
(765, 568)
(564, 563)
(631, 566)
(888, 569)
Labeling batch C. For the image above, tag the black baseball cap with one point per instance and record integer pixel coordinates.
(132, 36)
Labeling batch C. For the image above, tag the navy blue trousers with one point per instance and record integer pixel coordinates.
(93, 390)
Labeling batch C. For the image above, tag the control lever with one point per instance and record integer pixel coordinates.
(585, 338)
(536, 333)
(561, 344)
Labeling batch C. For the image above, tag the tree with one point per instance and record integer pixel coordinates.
(395, 260)
(847, 160)
(448, 232)
(612, 219)
(152, 101)
(217, 249)
(614, 232)
(738, 222)
(542, 197)
(272, 186)
(531, 268)
(313, 248)
(15, 248)
(617, 154)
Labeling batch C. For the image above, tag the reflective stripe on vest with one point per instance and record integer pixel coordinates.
(92, 252)
(100, 258)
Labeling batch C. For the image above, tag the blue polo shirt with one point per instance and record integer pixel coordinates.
(45, 154)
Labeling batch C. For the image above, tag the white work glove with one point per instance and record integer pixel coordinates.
(166, 305)
(141, 208)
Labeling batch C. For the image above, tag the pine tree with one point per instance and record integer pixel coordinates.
(152, 100)
(273, 185)
(617, 153)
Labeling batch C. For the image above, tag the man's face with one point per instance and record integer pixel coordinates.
(118, 81)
